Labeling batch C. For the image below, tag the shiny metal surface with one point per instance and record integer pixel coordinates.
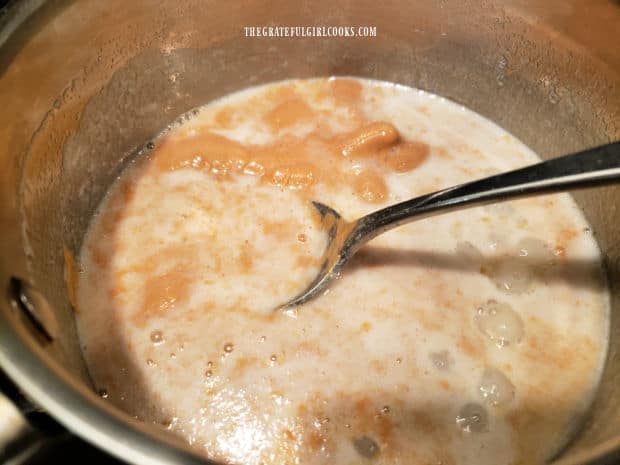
(599, 166)
(13, 426)
(83, 83)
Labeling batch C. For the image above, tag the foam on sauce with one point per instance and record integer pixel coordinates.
(471, 338)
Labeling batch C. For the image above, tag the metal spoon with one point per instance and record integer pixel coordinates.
(589, 168)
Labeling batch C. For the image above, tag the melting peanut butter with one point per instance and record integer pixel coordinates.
(71, 276)
(288, 113)
(300, 162)
(369, 139)
(474, 338)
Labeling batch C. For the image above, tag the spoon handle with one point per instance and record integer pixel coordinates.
(594, 167)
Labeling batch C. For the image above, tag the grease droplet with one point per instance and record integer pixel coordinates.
(495, 388)
(499, 322)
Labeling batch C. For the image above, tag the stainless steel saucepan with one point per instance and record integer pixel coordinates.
(83, 83)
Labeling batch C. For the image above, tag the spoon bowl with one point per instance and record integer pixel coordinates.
(590, 168)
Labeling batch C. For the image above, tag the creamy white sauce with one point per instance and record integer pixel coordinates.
(471, 338)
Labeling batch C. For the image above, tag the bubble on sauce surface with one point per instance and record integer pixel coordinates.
(499, 322)
(512, 276)
(254, 168)
(515, 274)
(157, 338)
(441, 360)
(473, 418)
(495, 388)
(366, 447)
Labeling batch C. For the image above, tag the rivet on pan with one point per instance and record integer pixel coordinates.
(34, 307)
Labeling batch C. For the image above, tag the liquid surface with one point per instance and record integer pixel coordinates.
(471, 338)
